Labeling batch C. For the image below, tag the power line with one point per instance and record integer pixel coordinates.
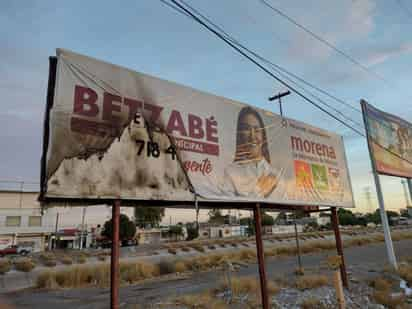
(233, 44)
(239, 50)
(324, 41)
(281, 71)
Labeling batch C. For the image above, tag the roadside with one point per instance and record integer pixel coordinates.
(363, 263)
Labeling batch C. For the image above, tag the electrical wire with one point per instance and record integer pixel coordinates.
(224, 37)
(325, 42)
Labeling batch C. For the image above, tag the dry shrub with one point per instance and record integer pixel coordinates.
(311, 281)
(149, 270)
(245, 244)
(312, 303)
(166, 267)
(101, 258)
(81, 259)
(199, 248)
(249, 285)
(211, 247)
(24, 264)
(233, 244)
(381, 284)
(46, 280)
(171, 251)
(5, 266)
(50, 262)
(130, 272)
(47, 256)
(185, 249)
(66, 260)
(180, 266)
(299, 271)
(405, 271)
(387, 299)
(247, 255)
(200, 301)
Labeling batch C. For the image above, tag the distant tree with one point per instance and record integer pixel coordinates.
(148, 216)
(346, 217)
(175, 231)
(127, 228)
(192, 231)
(375, 217)
(216, 217)
(267, 220)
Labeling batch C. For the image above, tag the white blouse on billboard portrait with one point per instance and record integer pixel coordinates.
(243, 179)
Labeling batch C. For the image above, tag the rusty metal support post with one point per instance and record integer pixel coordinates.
(339, 246)
(114, 262)
(260, 256)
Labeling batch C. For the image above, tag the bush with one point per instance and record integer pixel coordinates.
(24, 264)
(180, 266)
(66, 260)
(199, 248)
(50, 263)
(185, 249)
(5, 266)
(81, 259)
(166, 267)
(311, 282)
(211, 247)
(171, 251)
(46, 280)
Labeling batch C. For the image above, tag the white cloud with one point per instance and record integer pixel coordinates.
(380, 56)
(339, 22)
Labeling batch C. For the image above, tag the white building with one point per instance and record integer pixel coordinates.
(21, 220)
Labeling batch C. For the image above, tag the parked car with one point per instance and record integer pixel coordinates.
(21, 250)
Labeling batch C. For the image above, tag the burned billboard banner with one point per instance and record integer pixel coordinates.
(390, 141)
(113, 133)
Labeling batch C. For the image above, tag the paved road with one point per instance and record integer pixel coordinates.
(360, 261)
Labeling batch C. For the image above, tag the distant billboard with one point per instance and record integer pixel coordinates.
(114, 133)
(390, 141)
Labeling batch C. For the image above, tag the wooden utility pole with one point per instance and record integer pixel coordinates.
(114, 262)
(261, 257)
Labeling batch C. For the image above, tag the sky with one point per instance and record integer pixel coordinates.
(149, 37)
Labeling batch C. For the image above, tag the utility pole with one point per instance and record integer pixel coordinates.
(55, 230)
(82, 233)
(368, 197)
(405, 191)
(278, 97)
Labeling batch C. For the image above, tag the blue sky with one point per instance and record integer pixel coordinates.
(147, 36)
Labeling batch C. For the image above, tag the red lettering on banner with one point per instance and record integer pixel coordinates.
(314, 148)
(134, 106)
(100, 119)
(195, 127)
(85, 97)
(176, 124)
(109, 107)
(204, 167)
(211, 130)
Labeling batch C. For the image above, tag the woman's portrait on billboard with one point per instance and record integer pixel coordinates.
(251, 173)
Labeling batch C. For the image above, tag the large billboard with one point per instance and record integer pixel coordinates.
(115, 133)
(390, 141)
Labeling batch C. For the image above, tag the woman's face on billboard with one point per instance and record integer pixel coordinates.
(251, 137)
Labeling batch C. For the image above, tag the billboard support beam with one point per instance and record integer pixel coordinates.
(385, 223)
(260, 256)
(339, 246)
(114, 262)
(384, 217)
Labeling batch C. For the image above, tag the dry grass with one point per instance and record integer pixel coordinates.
(24, 264)
(381, 284)
(50, 263)
(211, 247)
(200, 301)
(180, 267)
(199, 248)
(185, 249)
(81, 259)
(387, 299)
(166, 267)
(311, 281)
(312, 303)
(405, 271)
(46, 280)
(171, 251)
(5, 266)
(102, 258)
(66, 260)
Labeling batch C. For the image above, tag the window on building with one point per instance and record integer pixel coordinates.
(35, 221)
(13, 221)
